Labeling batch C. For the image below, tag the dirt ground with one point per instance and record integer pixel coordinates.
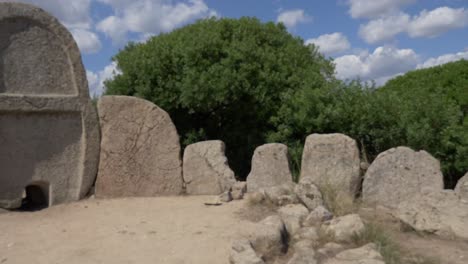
(161, 230)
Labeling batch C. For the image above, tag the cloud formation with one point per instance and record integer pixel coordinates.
(96, 80)
(431, 62)
(290, 18)
(331, 43)
(374, 8)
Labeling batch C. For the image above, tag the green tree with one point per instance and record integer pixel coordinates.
(222, 79)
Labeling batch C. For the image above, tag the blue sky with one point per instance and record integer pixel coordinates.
(369, 39)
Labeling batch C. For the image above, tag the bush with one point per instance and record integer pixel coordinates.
(222, 79)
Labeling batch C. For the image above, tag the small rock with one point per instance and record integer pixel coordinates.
(318, 215)
(255, 197)
(345, 227)
(287, 199)
(308, 194)
(330, 249)
(275, 193)
(238, 190)
(292, 216)
(225, 197)
(243, 253)
(367, 254)
(307, 233)
(303, 253)
(268, 238)
(216, 201)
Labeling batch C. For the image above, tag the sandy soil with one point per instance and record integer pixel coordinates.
(172, 230)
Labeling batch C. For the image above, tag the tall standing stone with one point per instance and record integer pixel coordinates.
(140, 150)
(462, 187)
(270, 167)
(206, 169)
(399, 174)
(332, 159)
(49, 134)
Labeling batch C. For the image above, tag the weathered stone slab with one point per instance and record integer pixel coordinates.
(462, 187)
(270, 167)
(49, 134)
(140, 150)
(399, 174)
(206, 169)
(332, 159)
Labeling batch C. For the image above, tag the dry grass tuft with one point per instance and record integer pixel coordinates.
(339, 203)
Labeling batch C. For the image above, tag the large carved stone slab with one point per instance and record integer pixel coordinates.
(332, 159)
(140, 150)
(400, 174)
(49, 134)
(206, 169)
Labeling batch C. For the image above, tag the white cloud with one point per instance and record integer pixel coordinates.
(385, 28)
(87, 41)
(383, 63)
(431, 62)
(96, 80)
(150, 16)
(375, 8)
(75, 15)
(331, 43)
(435, 22)
(290, 18)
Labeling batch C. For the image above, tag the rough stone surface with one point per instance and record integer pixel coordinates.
(330, 249)
(243, 253)
(332, 159)
(462, 187)
(140, 150)
(317, 216)
(292, 216)
(238, 190)
(367, 254)
(225, 197)
(308, 194)
(345, 227)
(270, 167)
(49, 132)
(307, 233)
(399, 174)
(268, 238)
(442, 213)
(277, 194)
(303, 253)
(206, 169)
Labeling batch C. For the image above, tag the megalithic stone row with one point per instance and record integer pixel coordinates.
(140, 150)
(49, 134)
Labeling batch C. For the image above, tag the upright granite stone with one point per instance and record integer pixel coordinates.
(462, 187)
(270, 167)
(206, 169)
(332, 159)
(140, 150)
(399, 174)
(49, 133)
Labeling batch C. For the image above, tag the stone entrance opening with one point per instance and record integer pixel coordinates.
(35, 197)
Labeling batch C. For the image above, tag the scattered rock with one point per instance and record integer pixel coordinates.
(276, 193)
(238, 190)
(270, 167)
(308, 194)
(287, 199)
(49, 130)
(269, 238)
(462, 187)
(442, 213)
(318, 215)
(303, 253)
(399, 174)
(255, 197)
(225, 197)
(332, 159)
(330, 249)
(140, 150)
(367, 254)
(292, 216)
(216, 201)
(243, 253)
(307, 233)
(345, 227)
(206, 170)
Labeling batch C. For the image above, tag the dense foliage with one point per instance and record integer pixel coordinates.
(247, 83)
(221, 79)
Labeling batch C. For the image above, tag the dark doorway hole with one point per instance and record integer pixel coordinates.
(36, 197)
